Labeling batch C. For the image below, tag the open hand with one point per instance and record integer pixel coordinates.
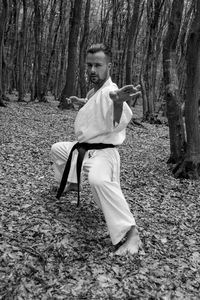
(75, 100)
(126, 93)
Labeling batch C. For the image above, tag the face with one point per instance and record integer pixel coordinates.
(98, 67)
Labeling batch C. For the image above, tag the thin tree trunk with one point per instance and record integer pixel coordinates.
(190, 168)
(155, 15)
(131, 40)
(105, 14)
(62, 62)
(12, 75)
(21, 53)
(172, 96)
(3, 20)
(69, 88)
(52, 53)
(36, 92)
(83, 48)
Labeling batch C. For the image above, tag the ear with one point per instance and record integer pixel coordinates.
(109, 65)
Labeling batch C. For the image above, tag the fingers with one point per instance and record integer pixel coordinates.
(73, 98)
(136, 94)
(133, 91)
(138, 87)
(130, 89)
(127, 89)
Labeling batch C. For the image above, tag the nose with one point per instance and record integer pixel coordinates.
(93, 70)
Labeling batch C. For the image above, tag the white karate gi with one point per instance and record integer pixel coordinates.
(94, 124)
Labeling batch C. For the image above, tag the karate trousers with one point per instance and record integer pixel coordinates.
(103, 170)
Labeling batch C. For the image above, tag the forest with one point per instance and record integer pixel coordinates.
(154, 43)
(50, 250)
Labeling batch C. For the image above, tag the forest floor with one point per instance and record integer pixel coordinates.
(51, 249)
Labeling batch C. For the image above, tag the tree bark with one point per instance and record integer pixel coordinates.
(131, 40)
(172, 96)
(12, 77)
(21, 53)
(83, 48)
(36, 92)
(155, 19)
(69, 88)
(3, 20)
(190, 168)
(52, 46)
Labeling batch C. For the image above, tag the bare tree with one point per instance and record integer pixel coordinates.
(131, 40)
(83, 48)
(11, 41)
(190, 167)
(3, 20)
(52, 42)
(22, 37)
(156, 19)
(172, 95)
(75, 22)
(36, 92)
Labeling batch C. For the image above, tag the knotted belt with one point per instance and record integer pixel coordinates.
(82, 149)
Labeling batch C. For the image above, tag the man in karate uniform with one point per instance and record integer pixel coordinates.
(102, 119)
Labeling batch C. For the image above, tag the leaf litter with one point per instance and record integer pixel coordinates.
(51, 249)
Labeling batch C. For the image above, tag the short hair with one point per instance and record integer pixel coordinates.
(100, 47)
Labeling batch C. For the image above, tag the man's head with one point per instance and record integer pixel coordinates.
(98, 61)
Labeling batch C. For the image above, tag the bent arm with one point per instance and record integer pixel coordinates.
(118, 107)
(119, 96)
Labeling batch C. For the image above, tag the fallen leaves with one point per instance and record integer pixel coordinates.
(49, 249)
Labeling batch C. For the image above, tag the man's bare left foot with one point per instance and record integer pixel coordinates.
(132, 243)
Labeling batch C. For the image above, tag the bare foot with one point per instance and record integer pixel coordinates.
(132, 243)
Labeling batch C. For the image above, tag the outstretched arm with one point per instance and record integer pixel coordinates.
(126, 93)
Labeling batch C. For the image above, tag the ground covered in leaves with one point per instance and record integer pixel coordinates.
(50, 249)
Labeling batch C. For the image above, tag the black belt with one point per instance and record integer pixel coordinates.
(82, 148)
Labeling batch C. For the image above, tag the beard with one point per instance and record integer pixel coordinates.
(94, 79)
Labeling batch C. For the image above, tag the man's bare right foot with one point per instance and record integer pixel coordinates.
(132, 243)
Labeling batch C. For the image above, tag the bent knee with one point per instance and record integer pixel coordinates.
(55, 152)
(54, 148)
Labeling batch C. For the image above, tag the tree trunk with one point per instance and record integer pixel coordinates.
(131, 40)
(3, 20)
(36, 92)
(61, 63)
(12, 79)
(83, 48)
(190, 168)
(21, 53)
(105, 14)
(69, 88)
(155, 19)
(172, 96)
(53, 50)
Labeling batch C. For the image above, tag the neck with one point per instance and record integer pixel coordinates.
(100, 84)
